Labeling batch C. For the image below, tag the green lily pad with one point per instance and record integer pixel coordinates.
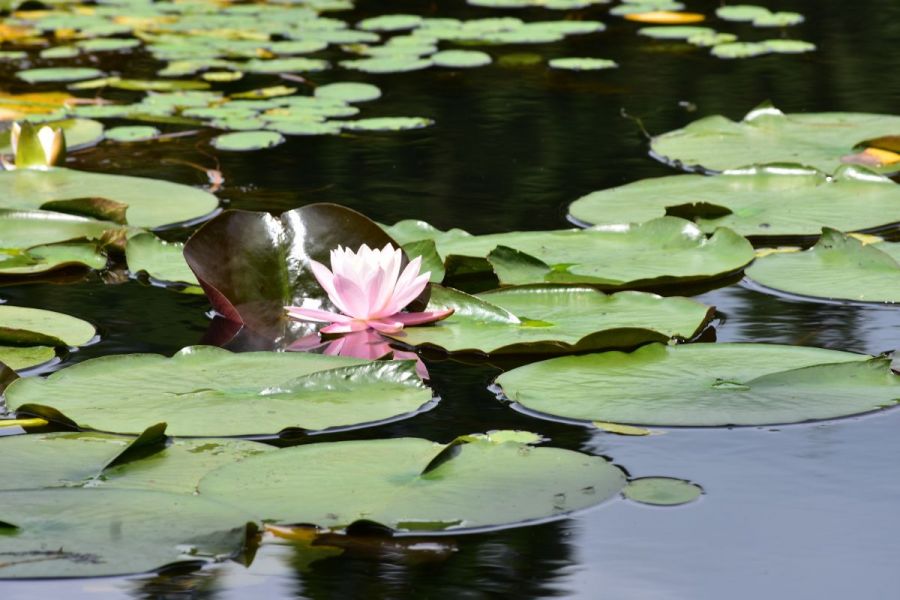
(140, 133)
(161, 260)
(789, 46)
(248, 140)
(390, 23)
(400, 63)
(40, 259)
(770, 200)
(554, 320)
(582, 64)
(21, 326)
(708, 40)
(662, 491)
(347, 91)
(676, 32)
(838, 267)
(739, 50)
(706, 385)
(27, 229)
(80, 133)
(19, 358)
(135, 200)
(206, 391)
(387, 124)
(766, 135)
(778, 19)
(741, 12)
(461, 59)
(57, 74)
(96, 532)
(651, 254)
(413, 484)
(91, 459)
(59, 52)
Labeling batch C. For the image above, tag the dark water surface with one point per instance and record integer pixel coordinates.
(803, 511)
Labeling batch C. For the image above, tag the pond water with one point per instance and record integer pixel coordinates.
(801, 511)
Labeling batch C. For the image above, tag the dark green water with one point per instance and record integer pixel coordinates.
(805, 511)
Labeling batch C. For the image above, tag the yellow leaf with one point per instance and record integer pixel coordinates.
(761, 252)
(882, 157)
(12, 33)
(666, 17)
(623, 429)
(866, 238)
(223, 75)
(23, 423)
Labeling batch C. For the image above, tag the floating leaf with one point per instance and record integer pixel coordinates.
(741, 12)
(18, 358)
(665, 17)
(554, 320)
(651, 254)
(677, 32)
(739, 50)
(703, 385)
(142, 202)
(766, 135)
(390, 23)
(112, 532)
(346, 91)
(248, 140)
(582, 64)
(413, 484)
(206, 391)
(48, 74)
(789, 46)
(132, 134)
(769, 200)
(662, 491)
(387, 124)
(623, 429)
(461, 59)
(837, 267)
(161, 260)
(23, 326)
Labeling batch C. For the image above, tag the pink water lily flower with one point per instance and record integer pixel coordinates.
(369, 290)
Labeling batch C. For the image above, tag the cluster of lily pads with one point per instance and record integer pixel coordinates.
(585, 310)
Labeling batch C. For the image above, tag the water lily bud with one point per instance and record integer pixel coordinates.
(36, 148)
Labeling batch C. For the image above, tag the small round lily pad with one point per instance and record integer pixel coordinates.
(662, 491)
(582, 64)
(461, 59)
(348, 91)
(245, 141)
(60, 74)
(138, 133)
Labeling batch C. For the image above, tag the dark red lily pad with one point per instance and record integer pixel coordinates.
(253, 264)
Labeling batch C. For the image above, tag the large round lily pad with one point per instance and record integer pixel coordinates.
(838, 267)
(659, 252)
(554, 319)
(94, 532)
(706, 385)
(112, 461)
(411, 484)
(136, 200)
(767, 135)
(207, 391)
(771, 200)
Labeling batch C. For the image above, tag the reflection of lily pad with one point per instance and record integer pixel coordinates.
(141, 202)
(706, 385)
(413, 484)
(91, 532)
(766, 135)
(837, 267)
(658, 252)
(770, 200)
(206, 391)
(555, 320)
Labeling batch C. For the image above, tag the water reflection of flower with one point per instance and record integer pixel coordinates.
(367, 344)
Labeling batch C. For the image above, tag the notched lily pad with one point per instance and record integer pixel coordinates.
(768, 200)
(206, 391)
(162, 261)
(838, 267)
(415, 485)
(706, 385)
(554, 320)
(647, 255)
(766, 135)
